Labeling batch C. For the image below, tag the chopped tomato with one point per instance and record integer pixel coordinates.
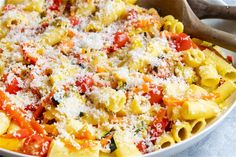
(22, 133)
(142, 146)
(120, 39)
(30, 59)
(56, 4)
(28, 55)
(155, 94)
(230, 58)
(9, 7)
(182, 42)
(74, 21)
(31, 107)
(13, 86)
(85, 84)
(36, 145)
(158, 125)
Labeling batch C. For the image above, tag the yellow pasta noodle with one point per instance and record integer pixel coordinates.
(172, 25)
(198, 125)
(58, 149)
(209, 76)
(125, 145)
(199, 109)
(107, 15)
(224, 91)
(4, 122)
(194, 57)
(181, 131)
(165, 140)
(225, 69)
(13, 144)
(111, 99)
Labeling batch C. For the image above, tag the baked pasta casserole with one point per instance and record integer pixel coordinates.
(103, 78)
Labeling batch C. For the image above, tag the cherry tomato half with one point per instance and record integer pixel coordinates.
(13, 86)
(36, 145)
(120, 39)
(74, 21)
(85, 84)
(155, 94)
(182, 42)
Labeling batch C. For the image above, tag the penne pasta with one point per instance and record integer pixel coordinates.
(181, 131)
(199, 109)
(198, 125)
(225, 69)
(165, 141)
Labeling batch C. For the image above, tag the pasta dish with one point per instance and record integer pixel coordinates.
(103, 78)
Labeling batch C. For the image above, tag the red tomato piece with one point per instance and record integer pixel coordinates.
(142, 146)
(30, 59)
(56, 4)
(9, 7)
(22, 133)
(13, 86)
(36, 145)
(155, 94)
(31, 107)
(85, 84)
(158, 125)
(157, 129)
(230, 58)
(120, 39)
(182, 42)
(74, 21)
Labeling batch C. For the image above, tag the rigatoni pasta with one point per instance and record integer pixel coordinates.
(103, 78)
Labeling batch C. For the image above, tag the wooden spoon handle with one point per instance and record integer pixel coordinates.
(218, 37)
(203, 9)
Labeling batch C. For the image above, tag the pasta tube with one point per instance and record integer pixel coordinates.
(225, 69)
(111, 12)
(209, 76)
(199, 109)
(53, 36)
(165, 140)
(198, 125)
(172, 25)
(4, 123)
(194, 57)
(181, 131)
(58, 149)
(125, 145)
(13, 144)
(111, 99)
(224, 91)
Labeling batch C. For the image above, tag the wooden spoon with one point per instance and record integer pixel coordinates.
(181, 10)
(203, 9)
